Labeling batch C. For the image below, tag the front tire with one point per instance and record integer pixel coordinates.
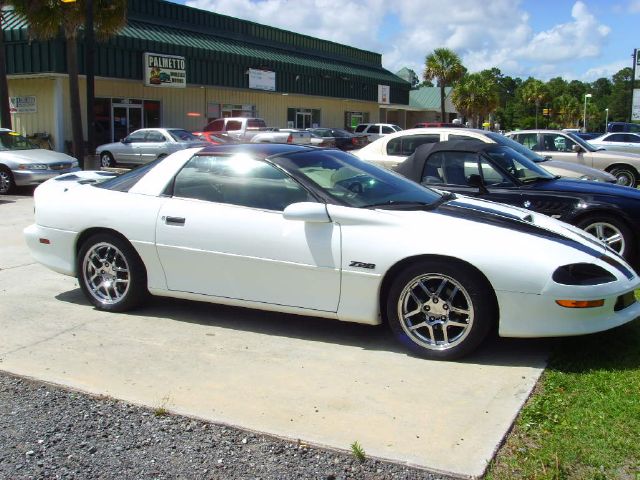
(616, 234)
(106, 160)
(7, 183)
(111, 274)
(441, 309)
(625, 176)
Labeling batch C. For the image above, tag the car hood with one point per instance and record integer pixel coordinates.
(36, 155)
(581, 186)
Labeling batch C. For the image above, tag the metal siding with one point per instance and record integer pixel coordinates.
(42, 120)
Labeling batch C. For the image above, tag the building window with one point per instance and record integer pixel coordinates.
(217, 110)
(303, 118)
(353, 119)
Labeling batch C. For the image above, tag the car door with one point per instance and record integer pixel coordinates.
(222, 233)
(560, 147)
(373, 131)
(128, 150)
(453, 170)
(155, 145)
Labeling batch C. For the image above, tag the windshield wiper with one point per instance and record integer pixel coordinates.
(409, 205)
(539, 179)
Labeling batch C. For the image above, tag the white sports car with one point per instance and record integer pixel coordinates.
(319, 232)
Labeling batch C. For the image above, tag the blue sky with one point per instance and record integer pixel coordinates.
(573, 39)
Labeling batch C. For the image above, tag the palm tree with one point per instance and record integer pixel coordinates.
(534, 91)
(568, 109)
(46, 19)
(445, 66)
(476, 95)
(5, 113)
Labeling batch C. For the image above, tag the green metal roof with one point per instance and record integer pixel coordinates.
(428, 98)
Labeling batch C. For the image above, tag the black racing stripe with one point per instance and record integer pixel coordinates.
(615, 263)
(511, 222)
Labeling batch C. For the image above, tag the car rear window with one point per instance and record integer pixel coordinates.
(124, 182)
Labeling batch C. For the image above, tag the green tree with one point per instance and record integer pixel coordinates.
(556, 87)
(47, 18)
(445, 66)
(476, 95)
(534, 92)
(567, 108)
(620, 99)
(5, 113)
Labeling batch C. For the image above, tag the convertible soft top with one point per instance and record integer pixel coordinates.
(413, 166)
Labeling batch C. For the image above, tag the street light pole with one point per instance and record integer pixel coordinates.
(606, 119)
(584, 117)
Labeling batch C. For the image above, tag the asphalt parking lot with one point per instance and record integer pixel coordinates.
(325, 382)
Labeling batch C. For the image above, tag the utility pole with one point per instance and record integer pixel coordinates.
(5, 112)
(89, 45)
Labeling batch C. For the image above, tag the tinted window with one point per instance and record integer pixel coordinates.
(234, 125)
(453, 136)
(386, 129)
(155, 136)
(631, 138)
(183, 136)
(405, 146)
(552, 142)
(618, 137)
(255, 123)
(138, 136)
(215, 126)
(373, 129)
(238, 180)
(451, 168)
(360, 128)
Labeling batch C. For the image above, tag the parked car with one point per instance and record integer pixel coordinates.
(147, 144)
(255, 130)
(498, 173)
(220, 139)
(622, 142)
(588, 136)
(320, 141)
(344, 140)
(318, 232)
(24, 163)
(377, 130)
(568, 147)
(623, 127)
(394, 149)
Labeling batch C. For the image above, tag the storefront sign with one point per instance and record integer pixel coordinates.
(384, 92)
(635, 111)
(262, 80)
(164, 70)
(23, 104)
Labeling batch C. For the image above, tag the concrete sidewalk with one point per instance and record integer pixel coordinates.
(324, 382)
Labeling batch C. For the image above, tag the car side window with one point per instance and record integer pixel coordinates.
(405, 146)
(373, 129)
(529, 140)
(557, 143)
(360, 128)
(618, 137)
(453, 136)
(215, 126)
(450, 168)
(234, 125)
(136, 137)
(386, 129)
(492, 177)
(238, 180)
(154, 136)
(632, 138)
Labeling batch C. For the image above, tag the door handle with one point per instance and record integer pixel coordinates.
(177, 221)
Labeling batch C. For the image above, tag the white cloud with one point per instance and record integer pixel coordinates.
(495, 33)
(606, 71)
(634, 6)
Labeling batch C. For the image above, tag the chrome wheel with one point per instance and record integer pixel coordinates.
(435, 311)
(6, 181)
(106, 160)
(106, 273)
(608, 234)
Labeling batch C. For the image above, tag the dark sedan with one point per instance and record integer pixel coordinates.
(494, 172)
(344, 140)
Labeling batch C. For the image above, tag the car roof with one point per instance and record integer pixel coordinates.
(539, 130)
(261, 150)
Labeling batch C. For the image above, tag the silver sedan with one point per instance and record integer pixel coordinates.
(620, 141)
(145, 145)
(23, 163)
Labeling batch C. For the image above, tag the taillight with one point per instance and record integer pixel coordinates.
(354, 141)
(290, 139)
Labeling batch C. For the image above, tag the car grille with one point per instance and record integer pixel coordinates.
(60, 166)
(624, 301)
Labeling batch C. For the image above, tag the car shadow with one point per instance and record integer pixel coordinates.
(495, 351)
(6, 200)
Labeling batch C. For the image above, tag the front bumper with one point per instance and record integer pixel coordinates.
(36, 177)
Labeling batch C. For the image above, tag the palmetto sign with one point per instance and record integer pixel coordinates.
(164, 70)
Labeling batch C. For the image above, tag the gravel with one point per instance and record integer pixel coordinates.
(51, 432)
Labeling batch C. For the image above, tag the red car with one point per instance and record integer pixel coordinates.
(215, 139)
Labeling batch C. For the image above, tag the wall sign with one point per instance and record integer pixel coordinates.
(384, 92)
(262, 79)
(23, 104)
(635, 110)
(164, 70)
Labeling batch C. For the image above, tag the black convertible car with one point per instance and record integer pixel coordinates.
(493, 172)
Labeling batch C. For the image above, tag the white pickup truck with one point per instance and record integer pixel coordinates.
(255, 130)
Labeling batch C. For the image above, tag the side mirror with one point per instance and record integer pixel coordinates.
(124, 140)
(576, 148)
(475, 180)
(307, 212)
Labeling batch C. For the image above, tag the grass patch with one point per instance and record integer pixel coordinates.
(583, 421)
(358, 452)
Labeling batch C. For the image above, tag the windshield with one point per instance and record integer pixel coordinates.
(14, 141)
(583, 143)
(183, 136)
(124, 182)
(354, 182)
(517, 165)
(518, 147)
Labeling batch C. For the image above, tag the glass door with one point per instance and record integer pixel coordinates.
(303, 119)
(126, 119)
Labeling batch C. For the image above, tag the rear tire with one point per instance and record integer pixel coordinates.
(625, 176)
(7, 183)
(441, 309)
(111, 274)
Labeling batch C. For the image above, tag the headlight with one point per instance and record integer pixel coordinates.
(582, 274)
(33, 166)
(74, 164)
